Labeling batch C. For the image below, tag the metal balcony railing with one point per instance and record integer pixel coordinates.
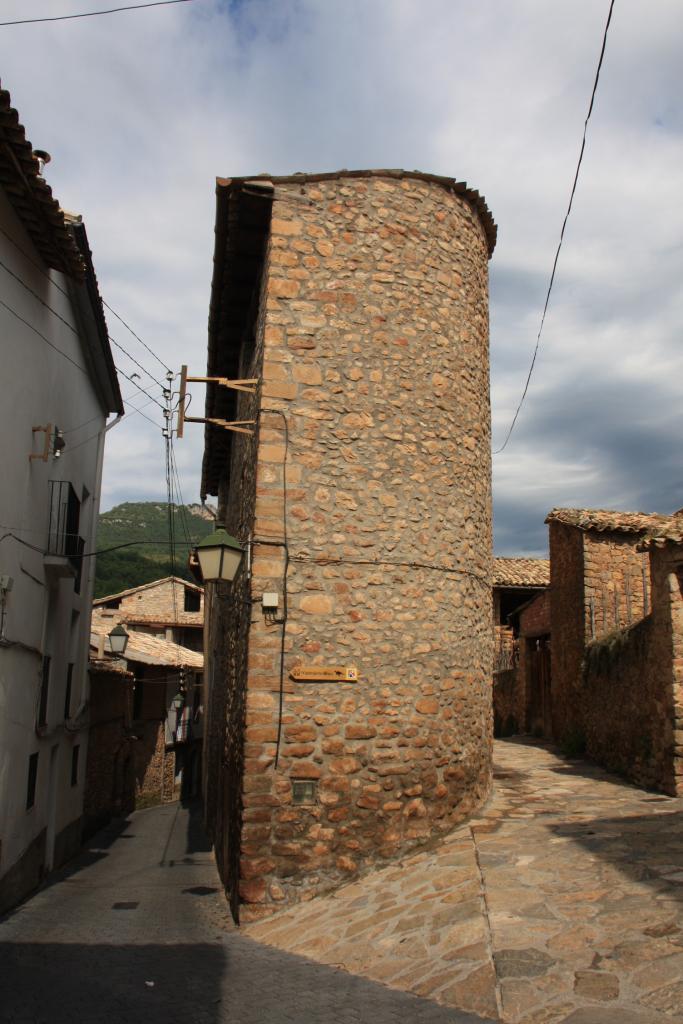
(63, 539)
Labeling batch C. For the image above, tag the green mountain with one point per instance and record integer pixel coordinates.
(148, 559)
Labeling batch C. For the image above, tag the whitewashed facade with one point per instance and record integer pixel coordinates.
(57, 386)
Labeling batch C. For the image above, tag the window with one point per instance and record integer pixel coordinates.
(44, 691)
(74, 765)
(67, 695)
(32, 779)
(303, 791)
(114, 603)
(193, 600)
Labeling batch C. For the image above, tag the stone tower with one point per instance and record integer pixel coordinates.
(360, 300)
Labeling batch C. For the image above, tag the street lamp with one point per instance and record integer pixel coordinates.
(219, 556)
(118, 640)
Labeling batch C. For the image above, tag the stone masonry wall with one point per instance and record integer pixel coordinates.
(630, 690)
(567, 627)
(534, 621)
(162, 602)
(616, 582)
(671, 560)
(227, 639)
(109, 783)
(505, 715)
(376, 352)
(154, 764)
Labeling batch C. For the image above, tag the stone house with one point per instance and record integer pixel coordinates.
(518, 584)
(146, 724)
(58, 387)
(349, 667)
(170, 608)
(515, 581)
(109, 771)
(616, 620)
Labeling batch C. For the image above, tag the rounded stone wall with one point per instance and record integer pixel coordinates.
(374, 334)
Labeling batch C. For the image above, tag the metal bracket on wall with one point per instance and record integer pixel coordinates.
(47, 430)
(239, 426)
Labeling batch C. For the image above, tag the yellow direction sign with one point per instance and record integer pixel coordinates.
(325, 674)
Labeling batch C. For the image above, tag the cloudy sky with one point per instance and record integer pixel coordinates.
(141, 110)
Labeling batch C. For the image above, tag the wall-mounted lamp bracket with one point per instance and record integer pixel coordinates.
(44, 455)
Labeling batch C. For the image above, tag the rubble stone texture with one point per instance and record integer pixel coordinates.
(560, 902)
(373, 336)
(617, 629)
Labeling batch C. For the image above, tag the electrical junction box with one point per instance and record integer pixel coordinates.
(270, 601)
(6, 583)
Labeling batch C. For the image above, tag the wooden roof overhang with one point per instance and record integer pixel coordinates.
(243, 212)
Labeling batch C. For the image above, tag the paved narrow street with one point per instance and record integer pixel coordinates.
(562, 901)
(136, 929)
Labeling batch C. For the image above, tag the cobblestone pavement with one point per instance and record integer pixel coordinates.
(137, 930)
(562, 901)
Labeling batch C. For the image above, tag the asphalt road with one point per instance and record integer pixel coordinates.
(136, 929)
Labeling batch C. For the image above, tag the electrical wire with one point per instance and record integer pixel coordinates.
(137, 336)
(134, 360)
(126, 400)
(283, 620)
(71, 327)
(94, 14)
(168, 437)
(497, 451)
(39, 298)
(46, 274)
(181, 501)
(46, 340)
(133, 412)
(136, 385)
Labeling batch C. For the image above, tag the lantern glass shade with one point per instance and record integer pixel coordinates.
(118, 640)
(219, 556)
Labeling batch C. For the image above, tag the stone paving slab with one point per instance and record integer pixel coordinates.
(137, 929)
(561, 901)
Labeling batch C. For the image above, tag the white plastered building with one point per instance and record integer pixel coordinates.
(58, 387)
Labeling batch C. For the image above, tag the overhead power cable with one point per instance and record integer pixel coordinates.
(86, 423)
(133, 412)
(136, 385)
(564, 225)
(94, 14)
(143, 343)
(66, 323)
(46, 340)
(134, 360)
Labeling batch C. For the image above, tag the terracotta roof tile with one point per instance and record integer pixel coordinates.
(31, 196)
(601, 520)
(149, 650)
(182, 619)
(521, 572)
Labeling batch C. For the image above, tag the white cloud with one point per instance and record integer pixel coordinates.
(142, 110)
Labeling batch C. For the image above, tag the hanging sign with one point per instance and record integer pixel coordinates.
(325, 674)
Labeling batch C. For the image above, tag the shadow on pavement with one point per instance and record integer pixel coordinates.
(196, 836)
(236, 982)
(93, 983)
(645, 848)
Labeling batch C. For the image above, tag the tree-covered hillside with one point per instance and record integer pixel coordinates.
(145, 521)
